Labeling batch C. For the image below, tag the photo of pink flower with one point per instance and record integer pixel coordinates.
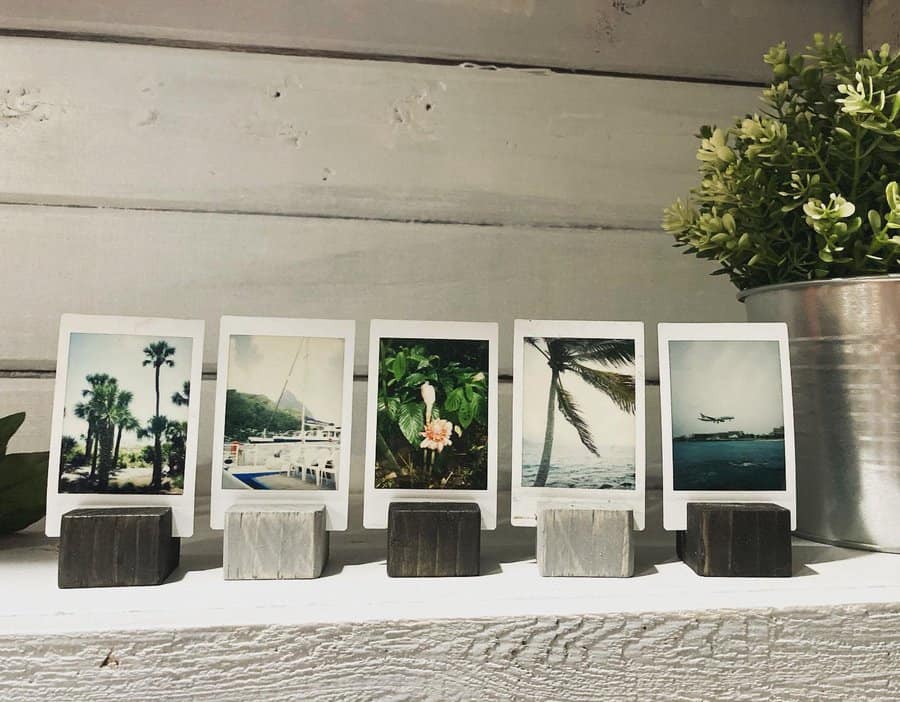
(432, 414)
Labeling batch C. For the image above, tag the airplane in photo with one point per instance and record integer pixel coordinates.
(714, 420)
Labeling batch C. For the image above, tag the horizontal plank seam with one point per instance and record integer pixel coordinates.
(201, 45)
(208, 374)
(654, 226)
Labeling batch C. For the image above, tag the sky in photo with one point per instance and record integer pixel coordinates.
(260, 365)
(121, 356)
(718, 378)
(609, 425)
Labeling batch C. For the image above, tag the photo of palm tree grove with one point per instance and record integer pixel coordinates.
(432, 422)
(126, 413)
(727, 415)
(283, 411)
(578, 423)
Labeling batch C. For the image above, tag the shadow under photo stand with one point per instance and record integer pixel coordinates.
(736, 540)
(117, 547)
(433, 539)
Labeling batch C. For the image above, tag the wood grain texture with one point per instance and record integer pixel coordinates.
(120, 547)
(202, 266)
(691, 38)
(881, 23)
(433, 540)
(159, 127)
(842, 653)
(578, 542)
(274, 542)
(35, 397)
(737, 540)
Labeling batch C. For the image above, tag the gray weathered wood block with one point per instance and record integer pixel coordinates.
(117, 547)
(275, 542)
(584, 542)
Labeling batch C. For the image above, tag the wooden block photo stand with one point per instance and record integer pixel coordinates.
(433, 539)
(584, 542)
(742, 540)
(275, 542)
(117, 547)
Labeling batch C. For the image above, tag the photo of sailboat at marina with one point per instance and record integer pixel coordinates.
(727, 415)
(283, 409)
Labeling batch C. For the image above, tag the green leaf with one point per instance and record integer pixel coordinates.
(393, 406)
(415, 379)
(23, 490)
(411, 420)
(9, 425)
(454, 400)
(467, 389)
(466, 414)
(875, 221)
(399, 365)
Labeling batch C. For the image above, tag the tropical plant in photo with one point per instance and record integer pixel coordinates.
(91, 462)
(432, 414)
(158, 354)
(806, 188)
(590, 360)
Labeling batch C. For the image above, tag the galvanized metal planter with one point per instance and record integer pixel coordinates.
(845, 365)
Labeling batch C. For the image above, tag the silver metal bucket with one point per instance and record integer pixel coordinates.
(845, 365)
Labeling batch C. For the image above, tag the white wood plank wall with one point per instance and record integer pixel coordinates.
(351, 160)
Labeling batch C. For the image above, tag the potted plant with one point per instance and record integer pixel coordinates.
(799, 205)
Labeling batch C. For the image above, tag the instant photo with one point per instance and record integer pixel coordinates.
(725, 395)
(283, 408)
(283, 413)
(432, 408)
(432, 429)
(578, 415)
(727, 415)
(125, 416)
(124, 428)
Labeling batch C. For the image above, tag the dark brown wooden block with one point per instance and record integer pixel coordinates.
(117, 547)
(737, 540)
(433, 539)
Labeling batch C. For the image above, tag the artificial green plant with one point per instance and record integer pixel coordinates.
(806, 188)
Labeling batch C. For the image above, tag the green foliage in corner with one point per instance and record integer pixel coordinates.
(23, 481)
(805, 189)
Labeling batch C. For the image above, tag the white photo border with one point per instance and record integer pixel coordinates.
(375, 506)
(182, 505)
(336, 501)
(675, 502)
(525, 500)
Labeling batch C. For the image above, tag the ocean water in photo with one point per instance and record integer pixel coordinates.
(754, 464)
(576, 468)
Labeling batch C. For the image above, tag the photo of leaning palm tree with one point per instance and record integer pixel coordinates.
(432, 418)
(125, 416)
(578, 413)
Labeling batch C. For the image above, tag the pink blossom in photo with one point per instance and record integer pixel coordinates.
(437, 435)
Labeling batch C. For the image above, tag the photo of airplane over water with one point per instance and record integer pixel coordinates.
(727, 415)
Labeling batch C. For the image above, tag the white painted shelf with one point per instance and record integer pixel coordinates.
(355, 587)
(830, 632)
